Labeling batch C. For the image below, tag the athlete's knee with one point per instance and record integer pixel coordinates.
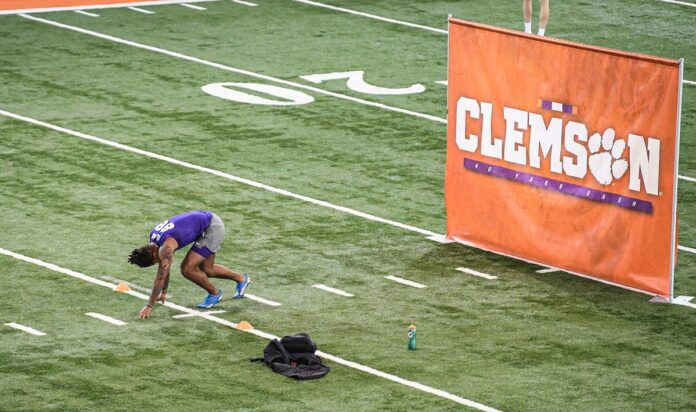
(188, 271)
(209, 270)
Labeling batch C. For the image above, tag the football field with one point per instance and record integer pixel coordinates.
(317, 132)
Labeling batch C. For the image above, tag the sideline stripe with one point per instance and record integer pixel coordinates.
(479, 274)
(406, 282)
(102, 6)
(332, 290)
(216, 173)
(548, 270)
(191, 6)
(105, 318)
(26, 329)
(371, 16)
(141, 10)
(683, 3)
(235, 70)
(86, 13)
(261, 300)
(259, 333)
(246, 3)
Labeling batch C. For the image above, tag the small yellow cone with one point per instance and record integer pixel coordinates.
(244, 325)
(122, 287)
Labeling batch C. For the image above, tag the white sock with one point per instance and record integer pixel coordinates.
(528, 27)
(541, 31)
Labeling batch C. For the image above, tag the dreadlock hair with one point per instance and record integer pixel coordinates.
(141, 257)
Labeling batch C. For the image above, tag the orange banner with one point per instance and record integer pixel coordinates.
(563, 154)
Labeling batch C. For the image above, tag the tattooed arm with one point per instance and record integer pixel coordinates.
(166, 255)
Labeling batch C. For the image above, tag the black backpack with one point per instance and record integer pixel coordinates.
(293, 356)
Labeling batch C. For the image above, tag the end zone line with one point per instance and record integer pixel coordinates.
(105, 318)
(332, 290)
(26, 329)
(406, 282)
(235, 70)
(217, 173)
(476, 273)
(204, 315)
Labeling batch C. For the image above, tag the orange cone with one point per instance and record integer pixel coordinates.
(244, 325)
(122, 287)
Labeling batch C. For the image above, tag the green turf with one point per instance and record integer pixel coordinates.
(524, 342)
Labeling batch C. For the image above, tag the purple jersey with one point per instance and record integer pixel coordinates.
(184, 228)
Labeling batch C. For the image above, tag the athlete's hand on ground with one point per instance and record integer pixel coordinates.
(144, 313)
(162, 298)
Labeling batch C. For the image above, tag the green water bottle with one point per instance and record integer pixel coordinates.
(412, 337)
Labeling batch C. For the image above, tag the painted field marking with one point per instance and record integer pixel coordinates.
(103, 6)
(440, 239)
(442, 82)
(139, 10)
(476, 273)
(26, 329)
(246, 3)
(431, 235)
(256, 332)
(687, 178)
(683, 3)
(191, 315)
(420, 26)
(686, 249)
(371, 16)
(406, 282)
(236, 70)
(261, 300)
(548, 270)
(105, 318)
(192, 6)
(217, 173)
(86, 13)
(332, 290)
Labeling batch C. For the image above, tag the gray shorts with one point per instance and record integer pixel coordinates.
(209, 242)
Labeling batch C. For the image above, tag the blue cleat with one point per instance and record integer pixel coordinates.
(242, 287)
(211, 300)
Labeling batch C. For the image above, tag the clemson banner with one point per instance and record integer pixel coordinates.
(564, 154)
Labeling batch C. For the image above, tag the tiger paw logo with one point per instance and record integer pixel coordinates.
(605, 161)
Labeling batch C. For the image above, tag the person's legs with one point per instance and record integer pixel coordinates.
(191, 269)
(218, 271)
(544, 13)
(527, 12)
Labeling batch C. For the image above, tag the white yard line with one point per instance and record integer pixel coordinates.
(190, 315)
(548, 270)
(371, 16)
(261, 300)
(105, 318)
(683, 3)
(192, 6)
(217, 173)
(406, 282)
(26, 329)
(139, 10)
(236, 70)
(686, 249)
(476, 273)
(103, 6)
(333, 290)
(86, 13)
(420, 26)
(246, 3)
(259, 333)
(687, 178)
